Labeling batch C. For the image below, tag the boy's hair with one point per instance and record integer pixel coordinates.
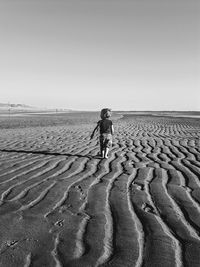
(105, 113)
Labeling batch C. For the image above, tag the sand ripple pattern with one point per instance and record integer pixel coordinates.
(62, 205)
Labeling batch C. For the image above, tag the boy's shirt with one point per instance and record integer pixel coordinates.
(105, 126)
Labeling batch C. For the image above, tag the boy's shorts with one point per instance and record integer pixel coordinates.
(105, 140)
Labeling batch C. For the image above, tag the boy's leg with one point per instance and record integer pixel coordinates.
(106, 153)
(102, 151)
(101, 146)
(108, 144)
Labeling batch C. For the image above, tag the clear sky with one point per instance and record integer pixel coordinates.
(89, 54)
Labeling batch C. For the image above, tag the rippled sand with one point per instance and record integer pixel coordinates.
(62, 205)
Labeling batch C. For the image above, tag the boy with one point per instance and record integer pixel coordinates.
(106, 129)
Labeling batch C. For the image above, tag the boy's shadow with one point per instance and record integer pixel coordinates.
(51, 153)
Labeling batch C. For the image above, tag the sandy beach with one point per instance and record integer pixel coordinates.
(62, 205)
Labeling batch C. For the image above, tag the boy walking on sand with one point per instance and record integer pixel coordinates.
(106, 129)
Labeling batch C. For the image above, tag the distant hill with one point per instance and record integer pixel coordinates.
(18, 106)
(8, 105)
(6, 108)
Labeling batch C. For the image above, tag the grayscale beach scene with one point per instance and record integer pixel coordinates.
(99, 133)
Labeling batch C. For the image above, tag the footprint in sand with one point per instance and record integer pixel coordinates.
(148, 208)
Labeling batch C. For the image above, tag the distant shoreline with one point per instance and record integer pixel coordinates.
(175, 114)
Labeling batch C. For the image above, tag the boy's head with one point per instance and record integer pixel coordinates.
(105, 113)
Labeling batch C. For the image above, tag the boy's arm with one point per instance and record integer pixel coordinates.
(95, 129)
